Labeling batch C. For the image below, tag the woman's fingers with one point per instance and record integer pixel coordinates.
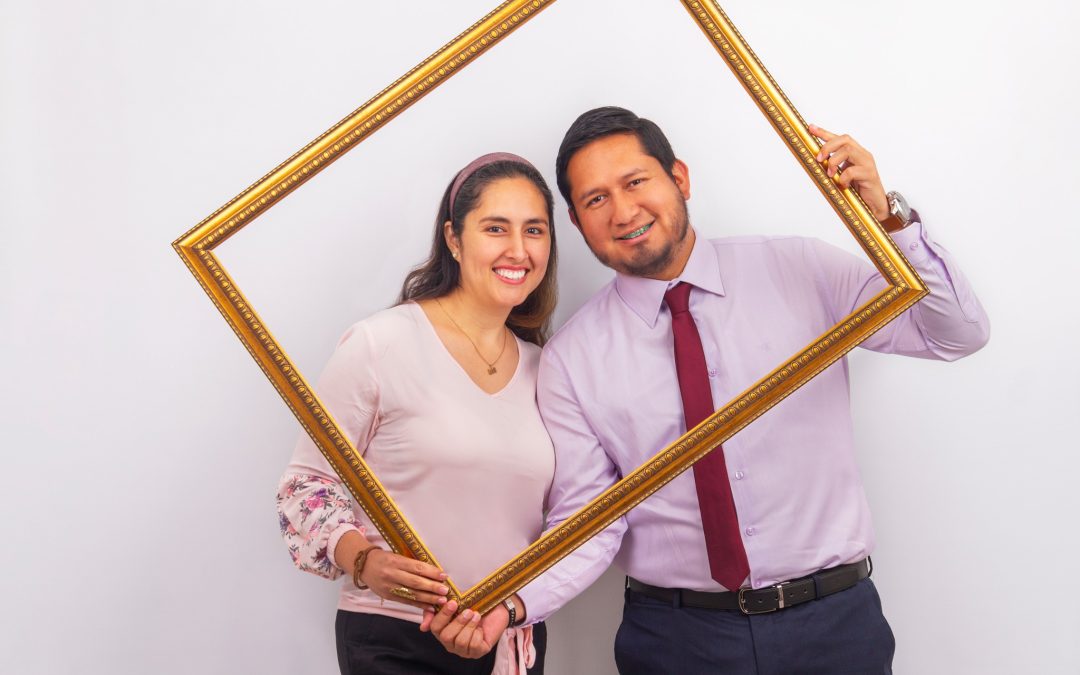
(422, 569)
(418, 584)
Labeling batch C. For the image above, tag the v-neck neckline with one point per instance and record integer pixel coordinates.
(461, 369)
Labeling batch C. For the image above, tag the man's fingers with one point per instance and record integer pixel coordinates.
(823, 134)
(425, 623)
(836, 160)
(833, 146)
(854, 174)
(449, 635)
(477, 646)
(470, 621)
(443, 618)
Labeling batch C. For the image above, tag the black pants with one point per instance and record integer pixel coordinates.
(841, 633)
(372, 644)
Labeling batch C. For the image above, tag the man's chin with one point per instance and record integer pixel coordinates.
(646, 264)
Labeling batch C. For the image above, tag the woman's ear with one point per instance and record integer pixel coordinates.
(452, 241)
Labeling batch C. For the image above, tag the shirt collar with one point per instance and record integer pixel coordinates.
(645, 296)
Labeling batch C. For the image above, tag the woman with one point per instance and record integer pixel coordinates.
(438, 394)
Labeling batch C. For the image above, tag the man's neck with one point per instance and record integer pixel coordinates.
(678, 260)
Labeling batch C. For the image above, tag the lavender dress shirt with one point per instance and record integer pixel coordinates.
(610, 399)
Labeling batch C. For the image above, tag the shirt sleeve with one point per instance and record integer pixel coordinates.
(314, 506)
(947, 324)
(582, 471)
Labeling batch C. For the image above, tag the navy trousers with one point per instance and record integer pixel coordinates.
(841, 633)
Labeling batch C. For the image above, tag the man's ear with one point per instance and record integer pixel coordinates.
(573, 217)
(680, 173)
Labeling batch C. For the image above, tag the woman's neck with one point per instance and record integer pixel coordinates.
(486, 320)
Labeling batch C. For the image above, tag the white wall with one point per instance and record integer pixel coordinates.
(142, 446)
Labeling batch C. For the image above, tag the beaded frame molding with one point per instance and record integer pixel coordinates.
(196, 248)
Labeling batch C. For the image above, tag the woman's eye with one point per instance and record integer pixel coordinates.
(535, 230)
(496, 228)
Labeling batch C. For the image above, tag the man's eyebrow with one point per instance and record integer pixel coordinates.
(622, 179)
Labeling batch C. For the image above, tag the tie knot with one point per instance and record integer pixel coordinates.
(678, 298)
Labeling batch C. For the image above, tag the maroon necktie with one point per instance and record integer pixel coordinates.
(727, 557)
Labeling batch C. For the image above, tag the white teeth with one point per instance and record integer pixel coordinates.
(513, 275)
(636, 233)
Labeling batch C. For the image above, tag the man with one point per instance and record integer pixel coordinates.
(779, 512)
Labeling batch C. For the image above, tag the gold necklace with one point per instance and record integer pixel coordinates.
(490, 364)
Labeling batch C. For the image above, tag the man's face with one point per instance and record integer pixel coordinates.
(631, 212)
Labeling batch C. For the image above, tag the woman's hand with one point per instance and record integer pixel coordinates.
(384, 572)
(395, 577)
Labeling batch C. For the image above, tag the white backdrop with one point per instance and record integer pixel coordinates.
(141, 445)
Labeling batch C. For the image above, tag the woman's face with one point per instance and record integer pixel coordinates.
(504, 244)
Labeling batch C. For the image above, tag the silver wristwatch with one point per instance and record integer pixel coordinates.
(899, 210)
(512, 610)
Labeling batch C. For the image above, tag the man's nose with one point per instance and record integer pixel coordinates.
(624, 209)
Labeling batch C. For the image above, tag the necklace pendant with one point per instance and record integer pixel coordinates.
(491, 370)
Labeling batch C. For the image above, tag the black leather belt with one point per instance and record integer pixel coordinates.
(762, 600)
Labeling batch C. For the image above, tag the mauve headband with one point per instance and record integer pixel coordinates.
(480, 162)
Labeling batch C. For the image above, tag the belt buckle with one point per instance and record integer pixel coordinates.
(779, 588)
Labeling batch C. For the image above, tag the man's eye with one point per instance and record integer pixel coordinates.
(636, 181)
(595, 200)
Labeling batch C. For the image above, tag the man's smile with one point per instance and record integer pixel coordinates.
(636, 233)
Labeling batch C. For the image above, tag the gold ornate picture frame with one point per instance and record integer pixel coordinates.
(196, 248)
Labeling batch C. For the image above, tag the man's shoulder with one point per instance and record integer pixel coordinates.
(592, 314)
(771, 251)
(762, 243)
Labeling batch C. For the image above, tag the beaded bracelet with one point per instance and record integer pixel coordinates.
(358, 566)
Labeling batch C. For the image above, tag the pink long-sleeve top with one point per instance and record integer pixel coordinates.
(469, 470)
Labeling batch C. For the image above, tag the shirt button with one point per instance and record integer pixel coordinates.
(712, 372)
(750, 531)
(914, 245)
(739, 475)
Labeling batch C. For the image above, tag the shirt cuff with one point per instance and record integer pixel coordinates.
(912, 243)
(335, 537)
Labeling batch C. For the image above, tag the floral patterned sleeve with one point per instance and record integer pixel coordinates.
(313, 513)
(314, 507)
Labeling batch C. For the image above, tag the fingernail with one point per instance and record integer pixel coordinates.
(466, 615)
(475, 618)
(443, 576)
(820, 157)
(440, 601)
(443, 590)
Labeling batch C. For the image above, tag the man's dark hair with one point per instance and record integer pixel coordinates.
(600, 122)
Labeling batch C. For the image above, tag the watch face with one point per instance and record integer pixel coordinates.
(898, 206)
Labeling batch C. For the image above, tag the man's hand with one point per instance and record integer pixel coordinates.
(468, 635)
(840, 153)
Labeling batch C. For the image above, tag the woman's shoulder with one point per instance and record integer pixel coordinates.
(529, 354)
(384, 328)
